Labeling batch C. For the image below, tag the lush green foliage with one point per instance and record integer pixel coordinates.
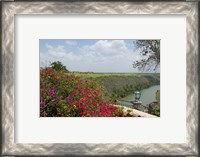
(67, 95)
(97, 75)
(155, 106)
(158, 96)
(100, 75)
(156, 111)
(117, 87)
(58, 66)
(75, 95)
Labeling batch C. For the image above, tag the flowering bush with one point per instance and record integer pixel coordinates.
(65, 95)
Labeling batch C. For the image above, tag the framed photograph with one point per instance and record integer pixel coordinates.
(99, 78)
(102, 78)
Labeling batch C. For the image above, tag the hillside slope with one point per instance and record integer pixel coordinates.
(120, 86)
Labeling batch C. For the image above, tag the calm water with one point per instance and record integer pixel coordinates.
(148, 95)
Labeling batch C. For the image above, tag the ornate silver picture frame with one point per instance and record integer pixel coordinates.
(11, 9)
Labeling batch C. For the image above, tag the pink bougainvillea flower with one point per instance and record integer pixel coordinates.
(52, 92)
(81, 91)
(49, 70)
(67, 95)
(42, 104)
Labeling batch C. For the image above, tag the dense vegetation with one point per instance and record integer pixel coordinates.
(58, 66)
(154, 107)
(158, 96)
(67, 95)
(120, 85)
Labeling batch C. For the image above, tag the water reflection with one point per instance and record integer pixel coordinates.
(148, 95)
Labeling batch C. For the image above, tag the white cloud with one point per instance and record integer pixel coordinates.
(107, 48)
(102, 56)
(71, 43)
(58, 51)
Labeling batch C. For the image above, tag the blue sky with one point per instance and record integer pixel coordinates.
(90, 55)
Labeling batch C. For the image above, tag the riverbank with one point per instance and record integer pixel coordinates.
(148, 95)
(117, 86)
(150, 99)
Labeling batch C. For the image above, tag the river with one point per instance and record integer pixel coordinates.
(148, 95)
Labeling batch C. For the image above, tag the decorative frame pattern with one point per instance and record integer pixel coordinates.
(10, 9)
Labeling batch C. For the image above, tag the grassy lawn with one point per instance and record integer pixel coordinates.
(96, 75)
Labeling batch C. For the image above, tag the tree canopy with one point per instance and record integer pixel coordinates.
(150, 54)
(58, 66)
